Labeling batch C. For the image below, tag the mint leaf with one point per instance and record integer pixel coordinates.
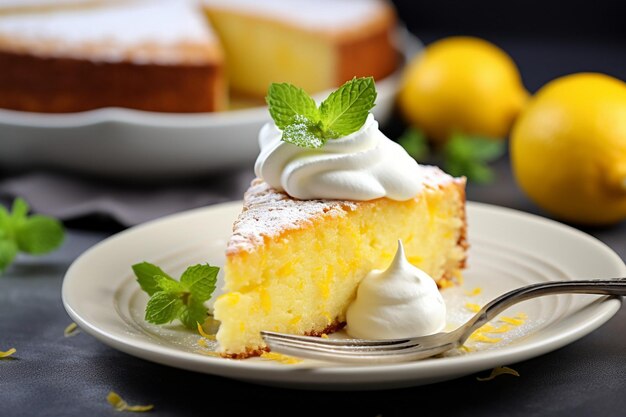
(8, 252)
(168, 284)
(304, 133)
(146, 274)
(287, 101)
(414, 143)
(304, 124)
(193, 313)
(19, 209)
(469, 156)
(34, 235)
(479, 173)
(163, 307)
(38, 234)
(200, 281)
(171, 299)
(346, 109)
(474, 148)
(5, 222)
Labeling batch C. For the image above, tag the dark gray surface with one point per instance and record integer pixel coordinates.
(57, 377)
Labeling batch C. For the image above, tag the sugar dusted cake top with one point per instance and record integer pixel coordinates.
(170, 31)
(319, 14)
(267, 213)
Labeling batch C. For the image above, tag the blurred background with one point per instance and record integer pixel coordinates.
(115, 169)
(547, 39)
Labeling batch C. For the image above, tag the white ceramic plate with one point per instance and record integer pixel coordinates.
(118, 143)
(508, 249)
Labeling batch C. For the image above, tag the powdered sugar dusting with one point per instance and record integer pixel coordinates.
(314, 15)
(268, 213)
(115, 27)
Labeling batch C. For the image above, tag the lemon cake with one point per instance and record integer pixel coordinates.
(316, 45)
(182, 55)
(294, 266)
(157, 55)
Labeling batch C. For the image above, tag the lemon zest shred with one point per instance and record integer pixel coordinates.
(512, 320)
(205, 334)
(280, 358)
(71, 330)
(466, 348)
(500, 370)
(202, 342)
(474, 292)
(481, 337)
(120, 405)
(473, 307)
(324, 336)
(7, 353)
(489, 328)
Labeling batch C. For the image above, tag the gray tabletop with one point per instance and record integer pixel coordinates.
(57, 376)
(52, 375)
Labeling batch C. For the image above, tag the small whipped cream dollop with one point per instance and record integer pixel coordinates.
(364, 165)
(402, 301)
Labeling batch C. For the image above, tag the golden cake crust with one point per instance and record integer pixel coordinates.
(76, 85)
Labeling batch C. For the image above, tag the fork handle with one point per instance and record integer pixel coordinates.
(614, 286)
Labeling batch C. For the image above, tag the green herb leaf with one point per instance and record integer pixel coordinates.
(193, 313)
(414, 143)
(200, 280)
(474, 148)
(287, 101)
(38, 234)
(165, 283)
(469, 156)
(34, 235)
(8, 252)
(146, 274)
(5, 223)
(304, 124)
(479, 173)
(346, 109)
(171, 299)
(163, 307)
(19, 211)
(304, 133)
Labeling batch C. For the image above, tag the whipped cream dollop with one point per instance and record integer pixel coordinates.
(364, 165)
(402, 301)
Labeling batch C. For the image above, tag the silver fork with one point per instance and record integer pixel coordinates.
(409, 349)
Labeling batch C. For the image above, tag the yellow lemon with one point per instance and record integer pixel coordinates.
(568, 149)
(462, 84)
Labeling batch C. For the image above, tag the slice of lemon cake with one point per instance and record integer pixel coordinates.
(316, 45)
(293, 266)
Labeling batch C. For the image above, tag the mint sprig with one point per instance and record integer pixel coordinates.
(171, 299)
(19, 232)
(304, 124)
(470, 156)
(461, 155)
